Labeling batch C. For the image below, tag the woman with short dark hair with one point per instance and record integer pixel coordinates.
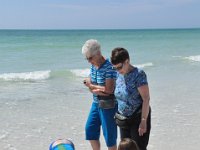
(132, 93)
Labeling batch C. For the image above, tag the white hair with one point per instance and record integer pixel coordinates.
(91, 47)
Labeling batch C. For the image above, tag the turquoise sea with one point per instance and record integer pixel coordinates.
(42, 97)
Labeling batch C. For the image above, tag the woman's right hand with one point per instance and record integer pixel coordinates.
(87, 82)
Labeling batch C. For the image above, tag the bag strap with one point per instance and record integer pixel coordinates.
(112, 96)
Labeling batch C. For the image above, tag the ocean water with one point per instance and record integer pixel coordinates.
(42, 97)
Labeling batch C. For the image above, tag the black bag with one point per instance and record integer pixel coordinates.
(123, 121)
(107, 102)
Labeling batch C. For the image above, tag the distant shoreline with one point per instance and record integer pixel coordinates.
(195, 28)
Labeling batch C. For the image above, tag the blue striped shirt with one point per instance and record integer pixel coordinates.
(100, 75)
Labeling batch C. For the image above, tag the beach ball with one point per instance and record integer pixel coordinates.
(62, 144)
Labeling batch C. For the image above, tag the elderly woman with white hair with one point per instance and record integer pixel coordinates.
(101, 83)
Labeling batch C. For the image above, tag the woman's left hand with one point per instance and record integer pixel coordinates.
(142, 127)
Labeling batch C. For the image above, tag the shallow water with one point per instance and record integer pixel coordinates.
(42, 97)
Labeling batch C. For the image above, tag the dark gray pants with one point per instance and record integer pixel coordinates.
(132, 132)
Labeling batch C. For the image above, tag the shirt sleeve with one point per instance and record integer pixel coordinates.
(142, 78)
(111, 73)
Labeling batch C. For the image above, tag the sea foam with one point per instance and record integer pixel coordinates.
(149, 64)
(81, 72)
(26, 76)
(85, 72)
(193, 58)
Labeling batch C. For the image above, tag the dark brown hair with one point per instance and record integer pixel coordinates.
(128, 144)
(119, 55)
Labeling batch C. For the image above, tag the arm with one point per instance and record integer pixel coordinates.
(101, 90)
(144, 92)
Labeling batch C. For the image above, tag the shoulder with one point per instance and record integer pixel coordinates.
(141, 78)
(108, 69)
(138, 72)
(107, 65)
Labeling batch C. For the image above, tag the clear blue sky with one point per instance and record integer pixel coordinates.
(99, 14)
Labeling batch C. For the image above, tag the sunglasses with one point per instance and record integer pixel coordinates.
(118, 67)
(89, 58)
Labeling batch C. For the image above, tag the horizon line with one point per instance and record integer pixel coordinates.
(100, 28)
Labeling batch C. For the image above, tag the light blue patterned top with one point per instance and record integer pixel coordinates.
(126, 91)
(99, 76)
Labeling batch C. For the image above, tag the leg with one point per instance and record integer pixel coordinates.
(112, 148)
(125, 133)
(92, 128)
(142, 141)
(109, 127)
(95, 144)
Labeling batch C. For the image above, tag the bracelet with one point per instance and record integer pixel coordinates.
(143, 119)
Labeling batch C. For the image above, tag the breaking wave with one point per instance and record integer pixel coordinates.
(193, 58)
(26, 76)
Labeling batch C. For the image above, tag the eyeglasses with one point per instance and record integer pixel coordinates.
(119, 67)
(89, 58)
